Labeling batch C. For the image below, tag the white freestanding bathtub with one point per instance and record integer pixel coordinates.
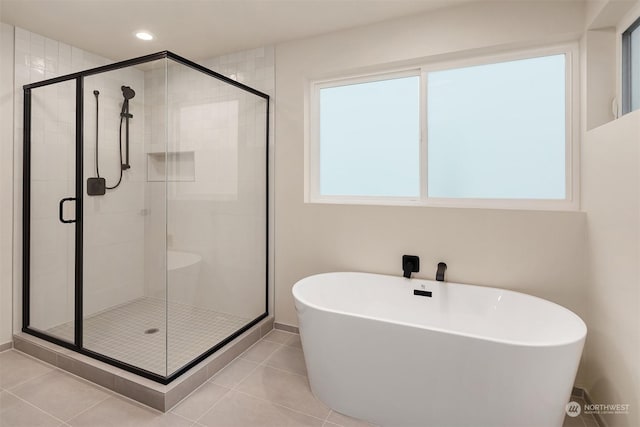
(466, 356)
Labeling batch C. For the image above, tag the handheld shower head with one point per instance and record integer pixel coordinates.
(127, 92)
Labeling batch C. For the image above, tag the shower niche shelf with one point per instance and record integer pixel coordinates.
(181, 166)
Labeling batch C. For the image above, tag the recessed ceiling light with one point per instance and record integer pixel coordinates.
(143, 35)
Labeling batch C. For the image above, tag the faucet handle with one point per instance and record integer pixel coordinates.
(442, 267)
(410, 264)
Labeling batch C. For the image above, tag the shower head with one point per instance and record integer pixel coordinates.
(127, 92)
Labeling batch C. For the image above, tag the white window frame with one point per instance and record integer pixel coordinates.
(314, 159)
(572, 154)
(625, 25)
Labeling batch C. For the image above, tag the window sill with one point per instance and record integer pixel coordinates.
(488, 204)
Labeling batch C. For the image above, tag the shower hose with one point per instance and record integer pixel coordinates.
(96, 93)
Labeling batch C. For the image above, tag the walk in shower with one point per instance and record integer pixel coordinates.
(145, 212)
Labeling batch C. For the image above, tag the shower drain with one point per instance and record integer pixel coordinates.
(151, 331)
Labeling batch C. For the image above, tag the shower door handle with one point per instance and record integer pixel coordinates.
(61, 209)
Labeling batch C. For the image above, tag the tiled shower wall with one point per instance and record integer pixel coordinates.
(6, 183)
(114, 223)
(114, 260)
(254, 67)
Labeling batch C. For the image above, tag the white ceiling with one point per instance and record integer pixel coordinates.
(197, 29)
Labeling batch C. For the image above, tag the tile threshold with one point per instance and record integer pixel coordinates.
(145, 391)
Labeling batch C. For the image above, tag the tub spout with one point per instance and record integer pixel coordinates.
(442, 267)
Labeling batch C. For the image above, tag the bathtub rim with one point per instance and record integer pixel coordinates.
(582, 336)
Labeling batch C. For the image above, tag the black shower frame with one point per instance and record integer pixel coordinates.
(77, 345)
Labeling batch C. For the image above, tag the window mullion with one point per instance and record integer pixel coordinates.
(424, 164)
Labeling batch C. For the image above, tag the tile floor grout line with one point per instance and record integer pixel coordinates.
(63, 372)
(190, 394)
(211, 380)
(34, 406)
(267, 356)
(35, 359)
(212, 406)
(239, 357)
(86, 409)
(292, 346)
(264, 361)
(234, 387)
(135, 403)
(264, 364)
(180, 416)
(255, 368)
(27, 355)
(20, 384)
(207, 381)
(280, 405)
(243, 379)
(33, 378)
(86, 381)
(258, 365)
(285, 371)
(265, 338)
(278, 347)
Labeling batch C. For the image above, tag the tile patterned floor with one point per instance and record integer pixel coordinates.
(120, 333)
(266, 386)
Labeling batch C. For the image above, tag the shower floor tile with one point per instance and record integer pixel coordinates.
(135, 333)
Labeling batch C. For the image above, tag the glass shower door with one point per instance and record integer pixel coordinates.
(216, 221)
(51, 191)
(124, 284)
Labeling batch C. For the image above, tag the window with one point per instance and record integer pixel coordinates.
(370, 138)
(631, 68)
(495, 133)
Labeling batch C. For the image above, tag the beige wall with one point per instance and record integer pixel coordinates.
(541, 253)
(6, 179)
(611, 200)
(611, 197)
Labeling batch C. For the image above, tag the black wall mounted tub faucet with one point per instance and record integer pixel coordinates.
(442, 267)
(410, 264)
